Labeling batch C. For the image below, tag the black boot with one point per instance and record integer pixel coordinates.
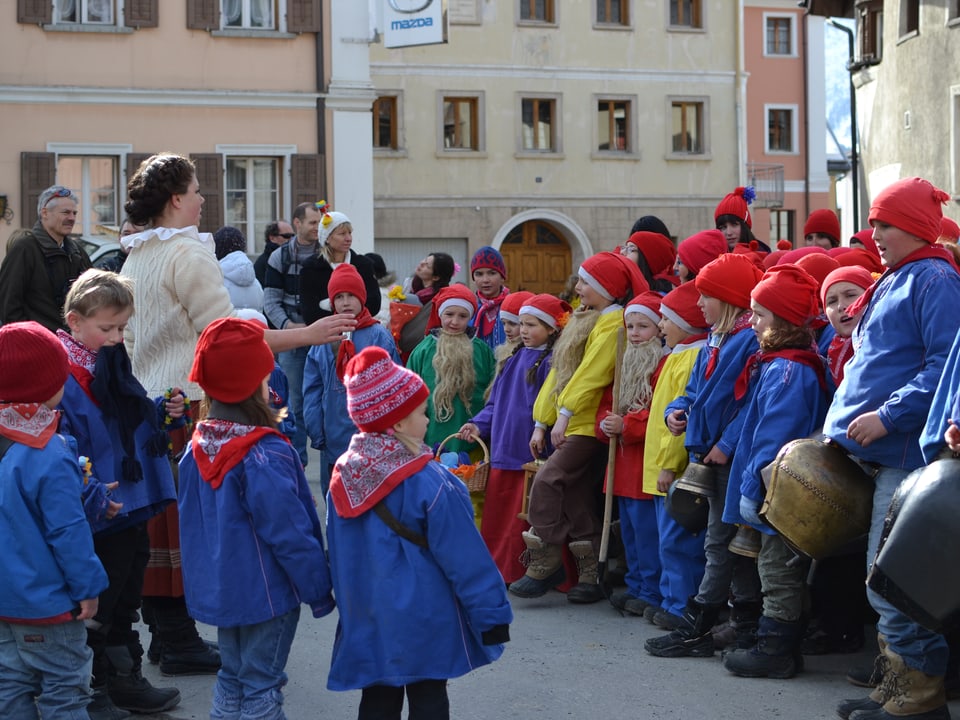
(774, 655)
(130, 690)
(692, 638)
(101, 707)
(740, 631)
(182, 650)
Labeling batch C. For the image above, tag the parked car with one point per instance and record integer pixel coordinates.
(103, 251)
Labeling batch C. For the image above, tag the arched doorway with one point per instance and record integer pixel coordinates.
(537, 258)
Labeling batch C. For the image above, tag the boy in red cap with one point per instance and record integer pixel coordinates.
(901, 345)
(489, 273)
(563, 499)
(52, 577)
(822, 229)
(787, 393)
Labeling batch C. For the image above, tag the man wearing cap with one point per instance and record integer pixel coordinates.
(274, 235)
(40, 267)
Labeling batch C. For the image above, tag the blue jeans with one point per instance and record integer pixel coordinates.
(920, 648)
(251, 673)
(292, 363)
(44, 668)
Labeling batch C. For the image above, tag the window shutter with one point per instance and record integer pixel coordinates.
(38, 171)
(303, 16)
(307, 179)
(141, 13)
(203, 14)
(35, 12)
(210, 176)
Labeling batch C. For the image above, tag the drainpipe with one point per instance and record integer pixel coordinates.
(738, 101)
(854, 139)
(321, 88)
(806, 122)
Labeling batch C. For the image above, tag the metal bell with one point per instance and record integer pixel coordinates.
(746, 542)
(698, 479)
(690, 511)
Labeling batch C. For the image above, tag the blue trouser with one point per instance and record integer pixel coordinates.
(681, 557)
(292, 363)
(638, 529)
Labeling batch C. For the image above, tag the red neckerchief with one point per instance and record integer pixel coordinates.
(218, 445)
(936, 252)
(810, 358)
(742, 323)
(374, 464)
(839, 351)
(31, 424)
(347, 349)
(84, 379)
(489, 312)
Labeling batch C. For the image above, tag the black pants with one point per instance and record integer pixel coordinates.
(427, 701)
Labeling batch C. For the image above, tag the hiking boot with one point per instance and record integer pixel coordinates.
(636, 606)
(588, 588)
(544, 565)
(774, 654)
(129, 689)
(692, 638)
(740, 631)
(101, 707)
(619, 599)
(667, 620)
(650, 612)
(905, 693)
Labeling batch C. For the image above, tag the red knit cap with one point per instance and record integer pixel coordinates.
(33, 363)
(613, 276)
(381, 393)
(825, 222)
(735, 204)
(791, 256)
(865, 238)
(773, 258)
(231, 359)
(701, 248)
(913, 205)
(855, 274)
(680, 307)
(346, 279)
(862, 258)
(510, 307)
(819, 266)
(949, 229)
(657, 250)
(548, 308)
(647, 304)
(789, 292)
(453, 295)
(729, 278)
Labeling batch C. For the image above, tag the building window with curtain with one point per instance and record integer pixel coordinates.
(461, 118)
(686, 13)
(613, 126)
(537, 11)
(538, 119)
(779, 36)
(252, 190)
(85, 12)
(780, 131)
(687, 127)
(95, 181)
(385, 130)
(249, 14)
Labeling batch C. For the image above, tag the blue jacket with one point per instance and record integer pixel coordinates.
(97, 438)
(945, 406)
(252, 549)
(325, 399)
(281, 388)
(712, 411)
(48, 564)
(785, 403)
(409, 613)
(901, 346)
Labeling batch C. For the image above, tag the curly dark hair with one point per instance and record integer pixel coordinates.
(158, 178)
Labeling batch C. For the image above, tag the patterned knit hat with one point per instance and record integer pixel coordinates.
(381, 393)
(702, 248)
(825, 222)
(346, 279)
(548, 308)
(33, 363)
(215, 367)
(729, 278)
(487, 257)
(735, 204)
(613, 276)
(680, 307)
(647, 304)
(913, 205)
(789, 292)
(510, 307)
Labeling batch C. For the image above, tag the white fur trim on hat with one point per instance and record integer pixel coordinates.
(679, 321)
(457, 302)
(540, 314)
(595, 284)
(643, 310)
(509, 316)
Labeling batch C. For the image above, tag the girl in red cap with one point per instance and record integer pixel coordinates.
(732, 216)
(655, 255)
(787, 393)
(506, 421)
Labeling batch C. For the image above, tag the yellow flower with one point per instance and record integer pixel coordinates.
(396, 293)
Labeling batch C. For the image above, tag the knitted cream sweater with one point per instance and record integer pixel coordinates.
(178, 291)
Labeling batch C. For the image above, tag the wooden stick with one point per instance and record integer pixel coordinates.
(611, 456)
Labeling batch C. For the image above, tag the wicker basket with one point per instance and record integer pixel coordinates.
(473, 476)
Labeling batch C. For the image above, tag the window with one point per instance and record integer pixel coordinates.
(781, 133)
(614, 125)
(781, 225)
(87, 12)
(460, 123)
(541, 11)
(613, 12)
(687, 127)
(95, 181)
(252, 190)
(385, 130)
(909, 17)
(249, 14)
(870, 30)
(953, 11)
(685, 13)
(538, 117)
(779, 36)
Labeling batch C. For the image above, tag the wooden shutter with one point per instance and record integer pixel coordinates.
(133, 163)
(303, 16)
(203, 14)
(39, 12)
(38, 171)
(210, 177)
(307, 179)
(141, 13)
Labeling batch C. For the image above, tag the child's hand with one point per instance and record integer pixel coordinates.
(952, 437)
(665, 480)
(468, 431)
(677, 422)
(716, 456)
(175, 405)
(612, 424)
(88, 608)
(537, 444)
(866, 428)
(558, 434)
(112, 507)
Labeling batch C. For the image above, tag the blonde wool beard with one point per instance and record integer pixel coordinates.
(453, 363)
(570, 346)
(639, 363)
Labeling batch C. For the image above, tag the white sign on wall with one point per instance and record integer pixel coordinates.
(414, 22)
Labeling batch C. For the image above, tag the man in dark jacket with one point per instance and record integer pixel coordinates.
(40, 267)
(275, 235)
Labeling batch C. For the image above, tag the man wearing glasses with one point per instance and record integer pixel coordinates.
(40, 267)
(276, 234)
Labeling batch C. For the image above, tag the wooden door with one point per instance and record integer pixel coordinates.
(537, 258)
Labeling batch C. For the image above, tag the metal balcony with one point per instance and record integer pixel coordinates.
(767, 180)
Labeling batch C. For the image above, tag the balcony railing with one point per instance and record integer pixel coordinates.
(767, 180)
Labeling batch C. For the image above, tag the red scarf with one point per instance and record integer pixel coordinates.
(742, 323)
(347, 349)
(218, 445)
(936, 252)
(839, 352)
(31, 424)
(810, 358)
(489, 312)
